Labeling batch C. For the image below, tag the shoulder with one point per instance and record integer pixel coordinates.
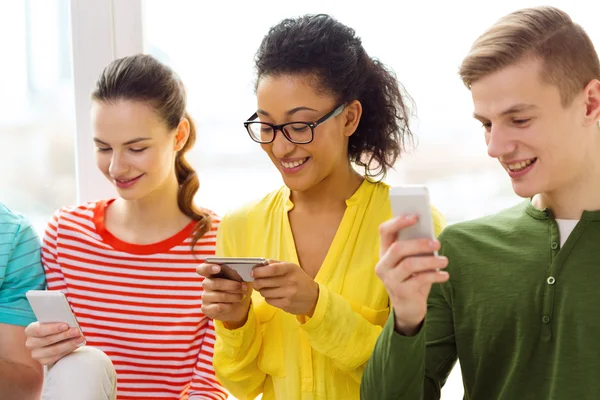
(17, 227)
(11, 222)
(85, 210)
(79, 212)
(255, 209)
(215, 219)
(439, 221)
(481, 229)
(210, 236)
(80, 218)
(376, 190)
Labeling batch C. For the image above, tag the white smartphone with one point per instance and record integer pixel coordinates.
(236, 268)
(50, 306)
(413, 200)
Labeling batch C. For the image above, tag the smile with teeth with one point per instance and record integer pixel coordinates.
(293, 164)
(519, 166)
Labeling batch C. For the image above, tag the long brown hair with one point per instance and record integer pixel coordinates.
(143, 78)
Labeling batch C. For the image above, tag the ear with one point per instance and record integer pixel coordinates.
(182, 135)
(352, 113)
(592, 102)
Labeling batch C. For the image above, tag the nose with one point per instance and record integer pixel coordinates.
(281, 146)
(118, 167)
(499, 143)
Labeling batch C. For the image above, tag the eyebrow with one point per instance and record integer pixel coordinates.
(517, 108)
(288, 113)
(133, 141)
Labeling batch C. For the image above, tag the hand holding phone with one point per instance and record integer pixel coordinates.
(57, 332)
(227, 288)
(409, 264)
(288, 287)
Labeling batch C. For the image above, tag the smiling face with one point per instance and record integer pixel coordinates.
(542, 144)
(134, 148)
(292, 98)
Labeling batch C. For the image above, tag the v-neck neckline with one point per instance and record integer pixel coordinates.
(326, 268)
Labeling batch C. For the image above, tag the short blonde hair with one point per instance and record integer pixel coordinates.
(569, 59)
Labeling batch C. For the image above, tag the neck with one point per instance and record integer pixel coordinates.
(582, 193)
(331, 193)
(157, 210)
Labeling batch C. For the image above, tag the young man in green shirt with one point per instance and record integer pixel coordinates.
(519, 301)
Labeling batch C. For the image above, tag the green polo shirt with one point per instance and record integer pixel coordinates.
(521, 314)
(20, 267)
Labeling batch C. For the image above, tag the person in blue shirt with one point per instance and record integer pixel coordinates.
(21, 270)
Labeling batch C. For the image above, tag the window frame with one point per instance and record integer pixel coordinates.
(115, 28)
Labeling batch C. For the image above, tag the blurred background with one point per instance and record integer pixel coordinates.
(211, 45)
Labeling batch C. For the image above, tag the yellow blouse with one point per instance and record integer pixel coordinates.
(324, 357)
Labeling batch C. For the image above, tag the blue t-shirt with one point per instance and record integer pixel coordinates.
(20, 267)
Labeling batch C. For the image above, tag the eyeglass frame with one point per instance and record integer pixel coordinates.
(312, 125)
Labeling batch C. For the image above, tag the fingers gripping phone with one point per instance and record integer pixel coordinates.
(236, 268)
(413, 200)
(51, 306)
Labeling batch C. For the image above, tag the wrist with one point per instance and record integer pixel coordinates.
(407, 328)
(233, 325)
(311, 312)
(236, 324)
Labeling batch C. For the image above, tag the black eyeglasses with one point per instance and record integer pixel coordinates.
(295, 132)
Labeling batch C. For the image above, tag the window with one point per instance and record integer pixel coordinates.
(37, 118)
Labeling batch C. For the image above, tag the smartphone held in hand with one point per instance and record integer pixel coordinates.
(52, 306)
(236, 268)
(413, 200)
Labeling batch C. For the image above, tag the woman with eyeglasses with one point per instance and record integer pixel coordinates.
(306, 326)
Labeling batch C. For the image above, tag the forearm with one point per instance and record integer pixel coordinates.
(340, 333)
(20, 381)
(396, 369)
(236, 358)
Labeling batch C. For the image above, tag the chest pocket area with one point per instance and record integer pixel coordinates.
(271, 354)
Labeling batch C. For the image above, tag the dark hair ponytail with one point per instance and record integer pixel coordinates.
(143, 78)
(331, 51)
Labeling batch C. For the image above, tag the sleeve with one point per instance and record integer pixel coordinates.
(204, 384)
(236, 351)
(340, 333)
(23, 272)
(414, 367)
(396, 369)
(54, 276)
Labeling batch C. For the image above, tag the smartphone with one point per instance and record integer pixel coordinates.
(236, 268)
(50, 306)
(413, 200)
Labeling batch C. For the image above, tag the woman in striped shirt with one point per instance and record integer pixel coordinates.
(127, 265)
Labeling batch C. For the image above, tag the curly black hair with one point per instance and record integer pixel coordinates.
(321, 46)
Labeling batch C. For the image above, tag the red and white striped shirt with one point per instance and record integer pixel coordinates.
(140, 304)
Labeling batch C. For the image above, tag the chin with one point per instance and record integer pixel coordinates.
(130, 195)
(297, 185)
(525, 190)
